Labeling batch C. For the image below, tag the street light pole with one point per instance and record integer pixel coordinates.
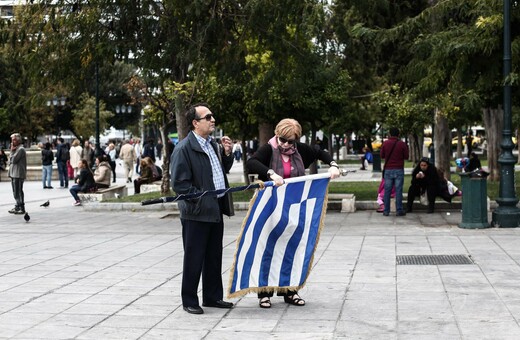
(56, 102)
(507, 215)
(98, 147)
(123, 109)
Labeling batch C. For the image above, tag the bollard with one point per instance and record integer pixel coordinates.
(474, 201)
(376, 162)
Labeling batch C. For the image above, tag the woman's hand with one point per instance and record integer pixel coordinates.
(277, 179)
(334, 172)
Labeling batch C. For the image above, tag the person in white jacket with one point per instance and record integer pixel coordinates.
(75, 155)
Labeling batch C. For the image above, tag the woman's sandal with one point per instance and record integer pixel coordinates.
(294, 300)
(265, 302)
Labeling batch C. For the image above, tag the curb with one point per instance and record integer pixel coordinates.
(333, 205)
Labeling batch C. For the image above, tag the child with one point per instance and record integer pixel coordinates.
(381, 195)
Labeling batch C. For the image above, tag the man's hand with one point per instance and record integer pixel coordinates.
(227, 144)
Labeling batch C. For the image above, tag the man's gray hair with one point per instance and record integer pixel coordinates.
(17, 136)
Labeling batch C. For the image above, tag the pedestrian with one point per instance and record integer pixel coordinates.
(425, 182)
(75, 156)
(138, 152)
(474, 163)
(3, 160)
(159, 148)
(381, 196)
(237, 151)
(88, 153)
(394, 151)
(17, 172)
(149, 150)
(112, 160)
(84, 181)
(62, 156)
(198, 166)
(47, 158)
(366, 159)
(127, 155)
(284, 157)
(102, 172)
(149, 174)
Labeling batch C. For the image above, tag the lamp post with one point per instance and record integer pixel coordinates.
(507, 215)
(123, 109)
(56, 102)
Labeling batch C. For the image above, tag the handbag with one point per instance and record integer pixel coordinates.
(424, 198)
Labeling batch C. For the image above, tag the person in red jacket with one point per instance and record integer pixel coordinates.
(394, 151)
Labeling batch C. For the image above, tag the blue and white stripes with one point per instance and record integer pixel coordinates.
(279, 236)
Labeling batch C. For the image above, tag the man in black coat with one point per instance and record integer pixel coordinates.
(198, 165)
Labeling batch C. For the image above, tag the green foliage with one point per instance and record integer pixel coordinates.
(84, 117)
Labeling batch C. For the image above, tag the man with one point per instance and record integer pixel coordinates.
(394, 151)
(127, 154)
(149, 150)
(159, 148)
(425, 178)
(88, 154)
(17, 172)
(62, 156)
(197, 166)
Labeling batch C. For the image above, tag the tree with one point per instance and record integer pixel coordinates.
(84, 120)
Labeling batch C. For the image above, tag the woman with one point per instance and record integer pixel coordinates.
(284, 157)
(425, 178)
(112, 161)
(84, 181)
(47, 158)
(102, 172)
(75, 155)
(149, 173)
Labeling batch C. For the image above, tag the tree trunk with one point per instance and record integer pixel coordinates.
(493, 122)
(442, 143)
(265, 132)
(180, 118)
(459, 143)
(415, 148)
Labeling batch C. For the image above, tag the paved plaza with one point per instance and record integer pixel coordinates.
(71, 273)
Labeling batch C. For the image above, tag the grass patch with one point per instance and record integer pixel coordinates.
(364, 191)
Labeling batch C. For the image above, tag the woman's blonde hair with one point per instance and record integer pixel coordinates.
(287, 128)
(75, 142)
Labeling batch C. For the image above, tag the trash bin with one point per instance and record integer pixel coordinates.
(474, 200)
(376, 163)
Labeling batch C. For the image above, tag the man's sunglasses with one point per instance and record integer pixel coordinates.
(288, 141)
(206, 117)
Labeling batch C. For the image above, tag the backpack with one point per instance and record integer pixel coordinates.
(65, 154)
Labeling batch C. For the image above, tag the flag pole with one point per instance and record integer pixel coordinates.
(257, 185)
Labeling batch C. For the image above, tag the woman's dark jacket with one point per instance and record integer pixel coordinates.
(191, 172)
(85, 180)
(259, 163)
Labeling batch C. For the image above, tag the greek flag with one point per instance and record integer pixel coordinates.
(276, 245)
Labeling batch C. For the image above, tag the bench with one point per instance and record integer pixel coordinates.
(151, 187)
(348, 201)
(104, 193)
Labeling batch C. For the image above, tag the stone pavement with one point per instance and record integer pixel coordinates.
(76, 274)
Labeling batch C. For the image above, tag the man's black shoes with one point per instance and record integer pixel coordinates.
(194, 310)
(218, 304)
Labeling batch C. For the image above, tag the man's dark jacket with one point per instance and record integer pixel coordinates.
(190, 171)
